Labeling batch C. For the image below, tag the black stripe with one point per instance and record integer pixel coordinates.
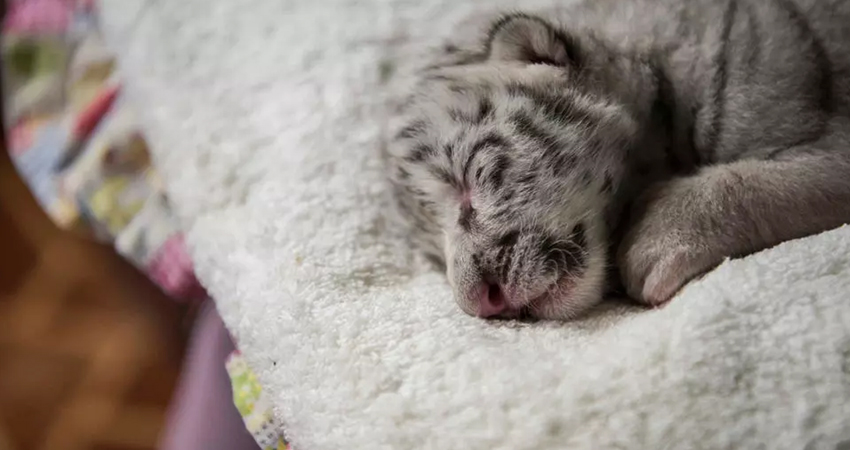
(489, 141)
(579, 236)
(562, 111)
(449, 150)
(520, 90)
(718, 83)
(497, 174)
(663, 111)
(563, 162)
(508, 243)
(479, 173)
(467, 164)
(795, 147)
(460, 116)
(425, 203)
(413, 129)
(526, 127)
(505, 265)
(500, 257)
(443, 175)
(755, 44)
(509, 239)
(439, 77)
(416, 192)
(476, 260)
(505, 273)
(587, 178)
(466, 218)
(501, 213)
(664, 106)
(459, 89)
(550, 252)
(485, 109)
(419, 153)
(527, 178)
(824, 65)
(608, 185)
(558, 109)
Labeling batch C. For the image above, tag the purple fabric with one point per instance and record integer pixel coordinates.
(202, 415)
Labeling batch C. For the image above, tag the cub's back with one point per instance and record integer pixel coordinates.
(748, 77)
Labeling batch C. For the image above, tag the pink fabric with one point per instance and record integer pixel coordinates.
(20, 138)
(39, 16)
(202, 415)
(171, 268)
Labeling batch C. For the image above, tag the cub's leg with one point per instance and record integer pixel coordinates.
(687, 226)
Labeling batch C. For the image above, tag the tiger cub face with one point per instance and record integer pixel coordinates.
(505, 164)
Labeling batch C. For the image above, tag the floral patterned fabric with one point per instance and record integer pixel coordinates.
(76, 144)
(253, 406)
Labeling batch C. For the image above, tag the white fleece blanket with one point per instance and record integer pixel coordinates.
(265, 115)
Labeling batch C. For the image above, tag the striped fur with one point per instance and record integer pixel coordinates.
(522, 147)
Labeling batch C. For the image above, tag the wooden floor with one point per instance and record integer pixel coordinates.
(89, 350)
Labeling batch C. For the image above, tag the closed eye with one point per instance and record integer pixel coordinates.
(467, 215)
(467, 212)
(535, 59)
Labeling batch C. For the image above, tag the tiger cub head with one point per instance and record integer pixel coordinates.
(506, 162)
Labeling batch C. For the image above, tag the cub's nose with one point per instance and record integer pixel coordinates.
(491, 301)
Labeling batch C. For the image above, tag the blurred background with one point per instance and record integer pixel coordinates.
(108, 341)
(90, 349)
(91, 346)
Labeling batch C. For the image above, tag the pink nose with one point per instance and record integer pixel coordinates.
(492, 301)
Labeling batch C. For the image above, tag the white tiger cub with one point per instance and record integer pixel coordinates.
(651, 137)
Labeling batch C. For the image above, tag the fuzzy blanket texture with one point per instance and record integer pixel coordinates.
(265, 117)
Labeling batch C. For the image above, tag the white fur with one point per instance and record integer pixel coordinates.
(264, 117)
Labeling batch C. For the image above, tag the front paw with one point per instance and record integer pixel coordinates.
(674, 237)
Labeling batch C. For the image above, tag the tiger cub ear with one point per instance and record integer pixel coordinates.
(530, 39)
